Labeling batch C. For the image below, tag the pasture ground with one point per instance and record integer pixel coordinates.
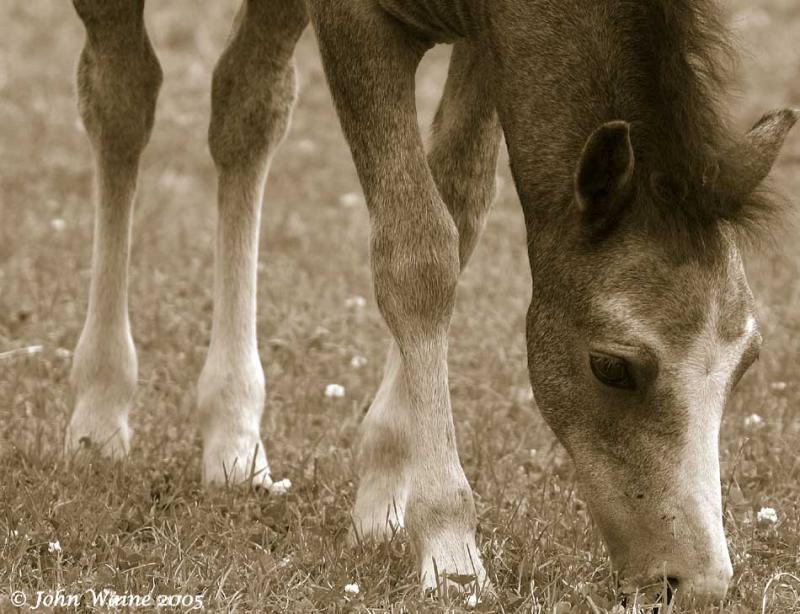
(148, 526)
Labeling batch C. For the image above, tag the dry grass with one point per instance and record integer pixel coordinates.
(148, 526)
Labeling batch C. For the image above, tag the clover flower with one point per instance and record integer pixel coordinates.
(334, 391)
(357, 362)
(355, 302)
(754, 421)
(281, 487)
(767, 516)
(350, 199)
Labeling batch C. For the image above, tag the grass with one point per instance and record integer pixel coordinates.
(148, 526)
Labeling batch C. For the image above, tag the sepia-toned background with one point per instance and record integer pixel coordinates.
(148, 525)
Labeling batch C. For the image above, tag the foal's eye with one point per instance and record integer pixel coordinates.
(612, 371)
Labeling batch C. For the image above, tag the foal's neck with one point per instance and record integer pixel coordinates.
(563, 69)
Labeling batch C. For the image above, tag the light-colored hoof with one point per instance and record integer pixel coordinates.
(379, 512)
(102, 432)
(451, 562)
(236, 461)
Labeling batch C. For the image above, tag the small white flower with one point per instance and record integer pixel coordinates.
(472, 601)
(58, 224)
(281, 487)
(63, 353)
(754, 421)
(352, 589)
(357, 362)
(767, 515)
(355, 302)
(334, 391)
(284, 562)
(524, 395)
(54, 547)
(350, 199)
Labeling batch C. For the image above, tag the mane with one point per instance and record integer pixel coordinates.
(686, 63)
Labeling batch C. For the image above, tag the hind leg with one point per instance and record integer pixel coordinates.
(463, 162)
(252, 97)
(118, 82)
(409, 444)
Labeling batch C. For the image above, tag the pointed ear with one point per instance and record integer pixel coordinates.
(604, 176)
(762, 145)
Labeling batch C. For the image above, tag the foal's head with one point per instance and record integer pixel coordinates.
(641, 325)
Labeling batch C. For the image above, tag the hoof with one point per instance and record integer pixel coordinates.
(452, 563)
(379, 512)
(98, 432)
(238, 461)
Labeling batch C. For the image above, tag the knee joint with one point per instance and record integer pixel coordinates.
(105, 12)
(250, 111)
(117, 92)
(416, 274)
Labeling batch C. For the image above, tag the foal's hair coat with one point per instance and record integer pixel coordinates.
(626, 169)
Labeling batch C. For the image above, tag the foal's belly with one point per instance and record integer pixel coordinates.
(440, 20)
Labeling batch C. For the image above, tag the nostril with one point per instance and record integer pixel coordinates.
(665, 589)
(662, 590)
(673, 584)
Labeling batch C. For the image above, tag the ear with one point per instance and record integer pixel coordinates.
(763, 143)
(605, 172)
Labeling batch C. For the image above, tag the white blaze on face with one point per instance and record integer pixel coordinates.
(704, 380)
(702, 377)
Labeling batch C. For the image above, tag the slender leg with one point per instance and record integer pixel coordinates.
(252, 97)
(118, 82)
(466, 142)
(463, 161)
(370, 62)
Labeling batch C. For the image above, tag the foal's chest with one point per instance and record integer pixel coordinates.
(441, 20)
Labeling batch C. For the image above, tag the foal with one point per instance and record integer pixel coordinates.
(634, 194)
